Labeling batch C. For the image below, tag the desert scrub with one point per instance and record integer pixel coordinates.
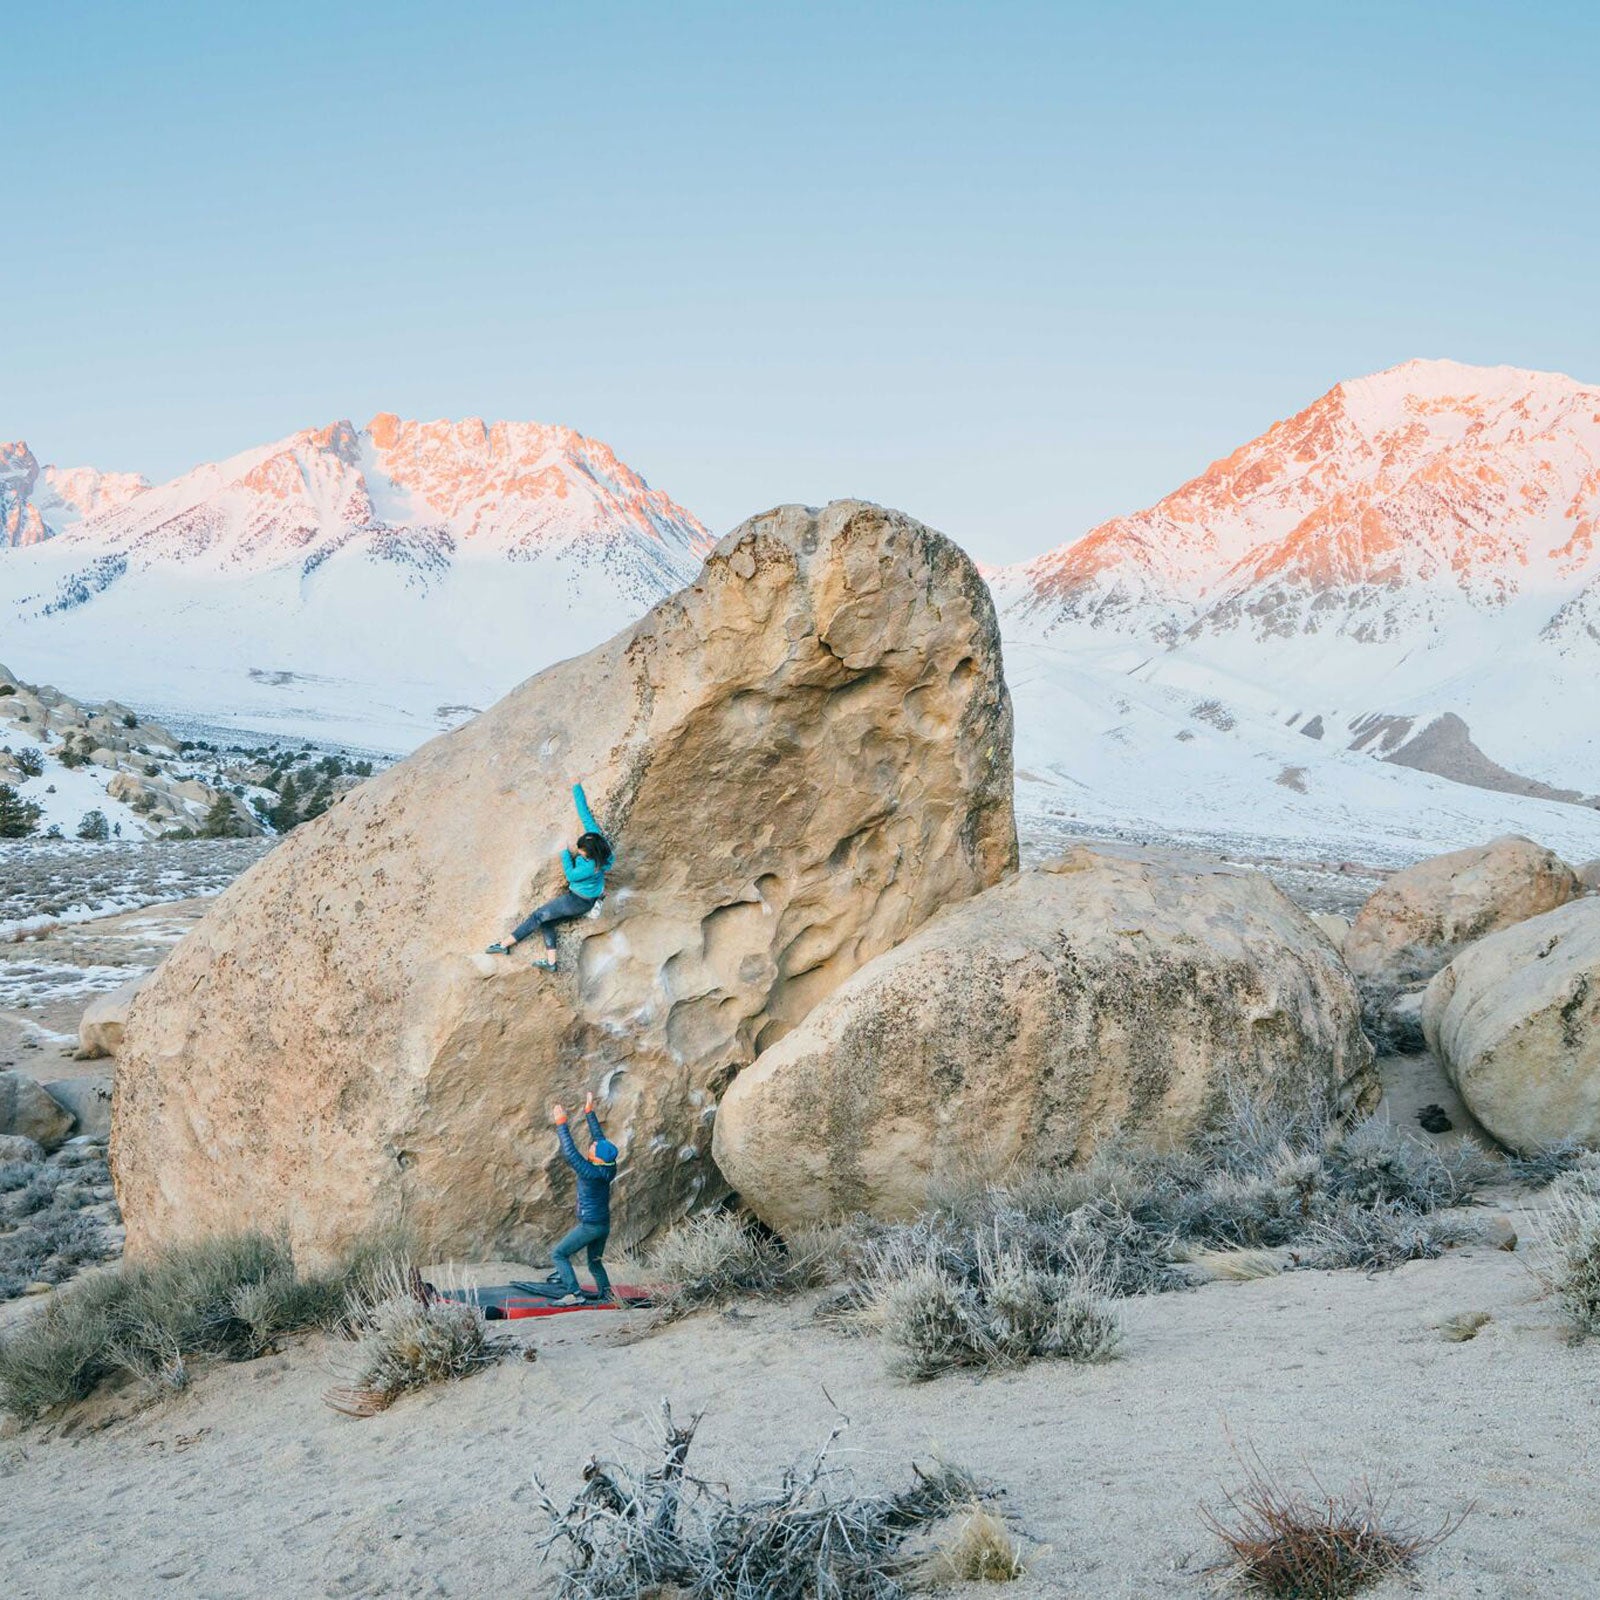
(1296, 1544)
(1374, 1238)
(978, 1548)
(721, 1256)
(408, 1341)
(660, 1530)
(1540, 1168)
(1000, 1312)
(228, 1297)
(1570, 1264)
(53, 1216)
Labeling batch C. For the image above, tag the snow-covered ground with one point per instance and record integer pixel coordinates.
(44, 882)
(1099, 750)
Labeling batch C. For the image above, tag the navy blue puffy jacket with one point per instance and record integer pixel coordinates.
(594, 1182)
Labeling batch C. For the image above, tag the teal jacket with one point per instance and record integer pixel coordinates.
(584, 876)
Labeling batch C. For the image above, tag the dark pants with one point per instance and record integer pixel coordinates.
(566, 907)
(593, 1235)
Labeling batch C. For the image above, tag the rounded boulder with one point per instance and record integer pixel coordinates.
(1097, 996)
(1515, 1021)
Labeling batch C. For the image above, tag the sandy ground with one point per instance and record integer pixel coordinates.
(248, 1485)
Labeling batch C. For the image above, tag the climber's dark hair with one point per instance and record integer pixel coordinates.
(597, 847)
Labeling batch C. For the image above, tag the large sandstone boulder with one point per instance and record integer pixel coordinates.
(27, 1110)
(104, 1021)
(1422, 916)
(801, 758)
(1094, 996)
(1515, 1019)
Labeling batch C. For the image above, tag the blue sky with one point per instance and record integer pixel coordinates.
(1014, 268)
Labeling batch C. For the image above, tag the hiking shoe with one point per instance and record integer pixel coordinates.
(571, 1300)
(547, 965)
(498, 949)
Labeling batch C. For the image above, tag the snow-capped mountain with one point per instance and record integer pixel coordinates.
(1410, 566)
(377, 582)
(37, 503)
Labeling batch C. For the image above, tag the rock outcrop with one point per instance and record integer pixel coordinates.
(1515, 1020)
(27, 1110)
(801, 757)
(1422, 916)
(1589, 876)
(104, 1020)
(1095, 996)
(89, 1102)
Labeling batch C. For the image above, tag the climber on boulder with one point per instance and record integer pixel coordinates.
(596, 1172)
(585, 865)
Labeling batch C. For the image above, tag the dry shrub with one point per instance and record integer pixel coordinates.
(409, 1341)
(720, 1256)
(227, 1297)
(980, 1548)
(1002, 1312)
(1542, 1167)
(1570, 1265)
(660, 1530)
(1237, 1266)
(1379, 1237)
(1298, 1545)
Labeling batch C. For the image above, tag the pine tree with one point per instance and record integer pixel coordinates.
(286, 813)
(18, 817)
(221, 821)
(94, 826)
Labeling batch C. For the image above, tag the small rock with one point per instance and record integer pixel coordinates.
(18, 1147)
(27, 1110)
(38, 1288)
(1435, 1119)
(88, 1099)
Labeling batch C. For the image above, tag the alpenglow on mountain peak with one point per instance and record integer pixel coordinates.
(508, 488)
(1465, 483)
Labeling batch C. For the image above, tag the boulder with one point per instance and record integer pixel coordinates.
(1515, 1021)
(89, 1101)
(800, 758)
(1423, 915)
(1334, 928)
(104, 1021)
(18, 1147)
(27, 1110)
(1096, 996)
(1589, 876)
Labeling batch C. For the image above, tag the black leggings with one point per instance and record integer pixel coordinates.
(566, 907)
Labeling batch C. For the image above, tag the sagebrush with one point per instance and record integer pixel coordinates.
(1570, 1264)
(227, 1297)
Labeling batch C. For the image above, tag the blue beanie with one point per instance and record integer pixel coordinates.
(606, 1151)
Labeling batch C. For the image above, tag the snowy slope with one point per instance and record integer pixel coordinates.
(362, 585)
(1416, 543)
(1101, 751)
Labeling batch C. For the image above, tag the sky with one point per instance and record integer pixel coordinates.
(1012, 268)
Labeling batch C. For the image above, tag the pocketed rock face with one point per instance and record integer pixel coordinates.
(1515, 1020)
(1094, 996)
(800, 758)
(1423, 915)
